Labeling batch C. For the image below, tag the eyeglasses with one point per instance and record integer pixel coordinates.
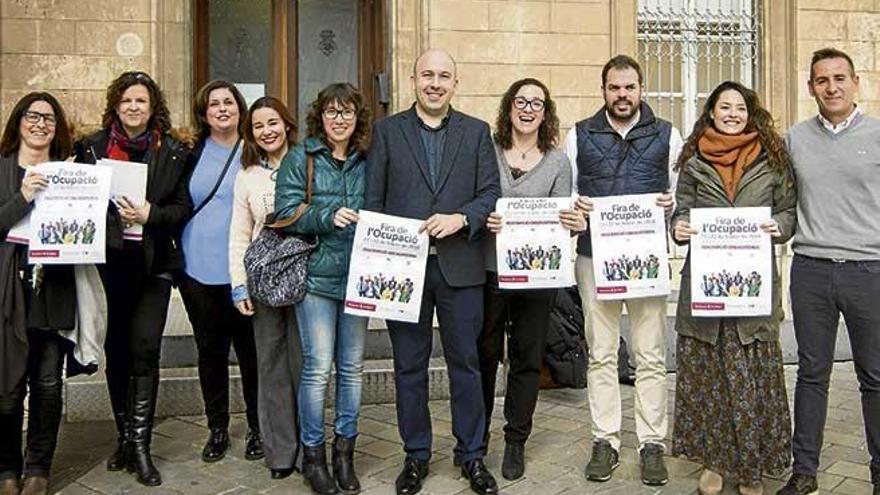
(32, 117)
(521, 103)
(139, 76)
(332, 113)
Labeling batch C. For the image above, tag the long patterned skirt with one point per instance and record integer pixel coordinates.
(731, 411)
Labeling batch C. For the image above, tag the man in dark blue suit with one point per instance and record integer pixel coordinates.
(434, 163)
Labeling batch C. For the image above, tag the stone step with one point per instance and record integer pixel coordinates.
(86, 397)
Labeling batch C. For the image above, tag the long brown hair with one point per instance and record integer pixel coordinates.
(344, 94)
(61, 146)
(160, 117)
(548, 132)
(252, 154)
(760, 121)
(200, 107)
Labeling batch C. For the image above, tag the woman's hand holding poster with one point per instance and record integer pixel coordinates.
(68, 222)
(731, 262)
(630, 258)
(387, 271)
(533, 249)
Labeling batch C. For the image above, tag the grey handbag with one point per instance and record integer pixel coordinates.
(276, 262)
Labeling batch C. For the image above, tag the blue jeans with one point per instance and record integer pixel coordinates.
(329, 334)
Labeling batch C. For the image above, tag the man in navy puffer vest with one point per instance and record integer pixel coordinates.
(623, 149)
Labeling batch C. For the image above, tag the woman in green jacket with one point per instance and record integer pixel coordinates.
(731, 411)
(338, 137)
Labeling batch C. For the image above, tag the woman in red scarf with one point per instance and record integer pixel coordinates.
(138, 273)
(731, 411)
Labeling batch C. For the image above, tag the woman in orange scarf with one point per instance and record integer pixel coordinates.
(731, 411)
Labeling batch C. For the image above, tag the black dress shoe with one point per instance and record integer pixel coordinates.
(280, 474)
(514, 465)
(409, 481)
(215, 448)
(253, 446)
(481, 479)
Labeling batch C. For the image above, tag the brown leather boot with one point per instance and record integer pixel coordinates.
(35, 485)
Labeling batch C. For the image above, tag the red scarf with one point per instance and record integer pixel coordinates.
(729, 155)
(122, 147)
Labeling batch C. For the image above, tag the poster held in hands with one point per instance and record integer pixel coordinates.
(731, 262)
(630, 257)
(68, 222)
(533, 249)
(386, 276)
(129, 181)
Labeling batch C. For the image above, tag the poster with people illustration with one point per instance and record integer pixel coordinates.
(67, 224)
(731, 262)
(533, 249)
(387, 271)
(628, 235)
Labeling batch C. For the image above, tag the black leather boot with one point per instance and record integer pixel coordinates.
(119, 459)
(118, 388)
(143, 391)
(343, 466)
(315, 472)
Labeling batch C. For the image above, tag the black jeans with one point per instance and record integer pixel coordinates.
(43, 381)
(137, 307)
(822, 290)
(217, 325)
(523, 315)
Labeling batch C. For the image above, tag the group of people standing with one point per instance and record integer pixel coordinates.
(208, 199)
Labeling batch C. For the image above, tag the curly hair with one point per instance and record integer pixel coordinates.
(548, 132)
(343, 94)
(252, 154)
(200, 107)
(61, 145)
(760, 121)
(160, 117)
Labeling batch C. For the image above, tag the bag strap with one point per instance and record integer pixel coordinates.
(211, 194)
(301, 209)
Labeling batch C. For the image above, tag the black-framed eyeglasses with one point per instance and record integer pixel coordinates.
(521, 102)
(332, 113)
(32, 117)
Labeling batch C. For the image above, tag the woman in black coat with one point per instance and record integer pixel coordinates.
(137, 276)
(36, 301)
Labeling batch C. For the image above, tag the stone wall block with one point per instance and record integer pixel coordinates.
(576, 80)
(822, 25)
(55, 37)
(19, 35)
(582, 18)
(863, 26)
(469, 15)
(564, 49)
(519, 16)
(53, 72)
(127, 39)
(478, 47)
(494, 79)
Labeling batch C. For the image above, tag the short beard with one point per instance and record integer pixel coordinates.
(621, 118)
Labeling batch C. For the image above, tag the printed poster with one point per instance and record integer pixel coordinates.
(533, 249)
(630, 257)
(731, 262)
(386, 277)
(68, 222)
(129, 180)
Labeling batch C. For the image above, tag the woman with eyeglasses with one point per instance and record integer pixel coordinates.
(37, 300)
(338, 137)
(269, 132)
(530, 165)
(218, 111)
(138, 273)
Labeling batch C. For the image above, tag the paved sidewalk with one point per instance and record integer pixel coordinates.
(555, 454)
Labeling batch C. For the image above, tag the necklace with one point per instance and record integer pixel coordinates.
(522, 154)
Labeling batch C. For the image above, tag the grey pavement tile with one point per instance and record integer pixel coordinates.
(853, 487)
(78, 489)
(850, 470)
(381, 449)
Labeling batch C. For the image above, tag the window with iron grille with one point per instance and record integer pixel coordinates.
(687, 47)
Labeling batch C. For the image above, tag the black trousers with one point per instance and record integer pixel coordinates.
(137, 307)
(43, 381)
(822, 290)
(217, 325)
(522, 315)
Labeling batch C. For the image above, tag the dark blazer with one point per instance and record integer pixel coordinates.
(167, 192)
(398, 183)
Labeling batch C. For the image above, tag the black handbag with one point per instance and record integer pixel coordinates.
(276, 262)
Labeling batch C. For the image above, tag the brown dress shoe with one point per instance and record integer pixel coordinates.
(35, 485)
(9, 487)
